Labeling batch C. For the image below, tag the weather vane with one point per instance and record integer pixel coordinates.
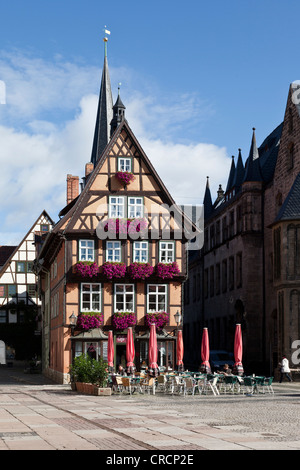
(105, 39)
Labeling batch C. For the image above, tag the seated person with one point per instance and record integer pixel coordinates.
(120, 370)
(225, 371)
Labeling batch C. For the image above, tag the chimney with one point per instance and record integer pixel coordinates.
(72, 187)
(89, 167)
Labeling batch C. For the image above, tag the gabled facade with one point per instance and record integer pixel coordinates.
(80, 236)
(248, 270)
(20, 307)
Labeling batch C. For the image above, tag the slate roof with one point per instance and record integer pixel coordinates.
(290, 209)
(5, 252)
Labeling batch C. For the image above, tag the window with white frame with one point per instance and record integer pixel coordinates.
(140, 252)
(113, 251)
(86, 250)
(124, 164)
(166, 252)
(157, 297)
(90, 300)
(124, 297)
(135, 207)
(117, 206)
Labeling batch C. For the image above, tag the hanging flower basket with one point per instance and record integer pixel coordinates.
(87, 268)
(123, 320)
(114, 270)
(126, 226)
(167, 270)
(125, 177)
(140, 270)
(159, 319)
(88, 320)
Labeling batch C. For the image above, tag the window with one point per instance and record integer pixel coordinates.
(113, 251)
(12, 290)
(86, 250)
(218, 278)
(239, 271)
(124, 164)
(90, 298)
(3, 316)
(135, 207)
(29, 266)
(44, 228)
(2, 290)
(31, 290)
(212, 281)
(116, 207)
(20, 266)
(224, 275)
(166, 252)
(124, 297)
(231, 273)
(157, 298)
(140, 252)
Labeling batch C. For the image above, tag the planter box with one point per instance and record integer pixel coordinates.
(90, 389)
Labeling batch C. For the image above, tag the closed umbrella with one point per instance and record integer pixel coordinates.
(110, 351)
(238, 350)
(153, 367)
(180, 366)
(130, 352)
(205, 366)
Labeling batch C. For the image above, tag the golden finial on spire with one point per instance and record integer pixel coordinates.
(105, 39)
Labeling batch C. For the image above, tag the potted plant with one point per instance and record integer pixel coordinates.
(114, 270)
(159, 319)
(123, 320)
(140, 270)
(86, 268)
(167, 270)
(90, 375)
(88, 320)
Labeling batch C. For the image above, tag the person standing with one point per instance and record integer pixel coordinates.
(284, 369)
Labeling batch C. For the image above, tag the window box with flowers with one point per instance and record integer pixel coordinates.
(159, 319)
(126, 226)
(114, 270)
(123, 320)
(125, 177)
(89, 320)
(140, 270)
(86, 268)
(167, 270)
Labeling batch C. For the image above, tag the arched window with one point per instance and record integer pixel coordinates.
(293, 251)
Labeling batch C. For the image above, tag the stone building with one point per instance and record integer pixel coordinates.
(248, 270)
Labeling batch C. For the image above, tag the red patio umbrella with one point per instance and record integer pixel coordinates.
(180, 350)
(205, 366)
(238, 350)
(130, 352)
(110, 351)
(153, 367)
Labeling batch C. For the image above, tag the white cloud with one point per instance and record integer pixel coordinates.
(35, 158)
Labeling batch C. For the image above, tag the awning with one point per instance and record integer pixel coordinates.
(93, 335)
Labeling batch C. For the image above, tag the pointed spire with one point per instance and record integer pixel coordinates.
(104, 112)
(118, 113)
(253, 172)
(207, 201)
(239, 172)
(231, 175)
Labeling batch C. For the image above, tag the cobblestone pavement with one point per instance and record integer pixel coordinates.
(36, 414)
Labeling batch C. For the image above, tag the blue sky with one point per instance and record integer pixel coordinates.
(196, 77)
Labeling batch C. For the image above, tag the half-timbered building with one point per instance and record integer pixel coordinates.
(20, 307)
(117, 256)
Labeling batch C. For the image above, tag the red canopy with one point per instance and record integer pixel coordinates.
(110, 350)
(153, 367)
(238, 350)
(180, 350)
(205, 351)
(130, 351)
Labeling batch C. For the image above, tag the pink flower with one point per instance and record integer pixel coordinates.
(114, 270)
(89, 320)
(122, 320)
(87, 268)
(140, 270)
(125, 177)
(159, 319)
(167, 270)
(126, 226)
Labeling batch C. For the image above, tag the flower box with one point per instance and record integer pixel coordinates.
(123, 320)
(167, 270)
(126, 226)
(91, 389)
(159, 319)
(113, 270)
(86, 268)
(140, 270)
(88, 320)
(125, 177)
